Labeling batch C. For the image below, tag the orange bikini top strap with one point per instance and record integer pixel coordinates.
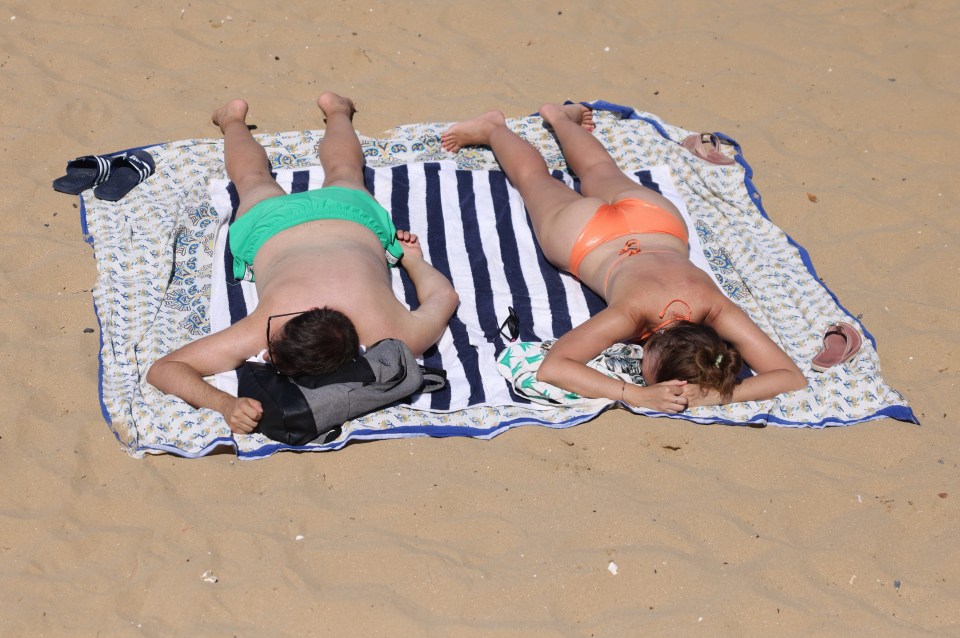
(676, 317)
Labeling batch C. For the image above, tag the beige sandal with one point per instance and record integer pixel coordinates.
(706, 146)
(840, 342)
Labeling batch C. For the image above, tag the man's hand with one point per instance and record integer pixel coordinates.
(181, 373)
(410, 243)
(242, 414)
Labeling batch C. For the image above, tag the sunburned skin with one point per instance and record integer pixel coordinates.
(356, 280)
(636, 288)
(332, 263)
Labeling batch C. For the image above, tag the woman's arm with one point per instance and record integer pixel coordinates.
(775, 372)
(565, 365)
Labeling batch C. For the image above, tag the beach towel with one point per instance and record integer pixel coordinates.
(164, 279)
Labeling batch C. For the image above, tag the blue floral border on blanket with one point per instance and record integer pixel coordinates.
(898, 412)
(135, 241)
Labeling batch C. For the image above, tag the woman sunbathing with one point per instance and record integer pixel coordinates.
(629, 245)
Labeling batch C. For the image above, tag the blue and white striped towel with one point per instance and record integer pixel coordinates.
(160, 257)
(474, 229)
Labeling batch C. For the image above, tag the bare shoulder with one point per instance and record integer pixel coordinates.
(756, 346)
(723, 315)
(390, 319)
(623, 314)
(714, 304)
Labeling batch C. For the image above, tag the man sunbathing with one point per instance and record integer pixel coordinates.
(320, 262)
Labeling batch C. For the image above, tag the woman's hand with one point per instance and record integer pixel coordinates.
(697, 396)
(666, 396)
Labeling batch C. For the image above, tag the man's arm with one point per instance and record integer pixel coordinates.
(182, 371)
(438, 299)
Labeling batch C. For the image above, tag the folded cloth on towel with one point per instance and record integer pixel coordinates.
(165, 279)
(519, 362)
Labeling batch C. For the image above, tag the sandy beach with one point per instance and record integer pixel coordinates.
(623, 526)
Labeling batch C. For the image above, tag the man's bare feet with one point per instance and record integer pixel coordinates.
(229, 112)
(475, 132)
(576, 113)
(331, 103)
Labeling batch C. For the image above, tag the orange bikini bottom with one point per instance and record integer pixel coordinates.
(625, 217)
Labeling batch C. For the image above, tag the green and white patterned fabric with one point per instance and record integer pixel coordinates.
(520, 361)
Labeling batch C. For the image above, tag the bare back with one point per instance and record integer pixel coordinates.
(330, 262)
(334, 263)
(639, 285)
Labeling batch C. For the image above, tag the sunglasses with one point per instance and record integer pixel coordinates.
(512, 326)
(269, 347)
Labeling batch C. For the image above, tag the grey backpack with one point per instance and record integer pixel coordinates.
(305, 409)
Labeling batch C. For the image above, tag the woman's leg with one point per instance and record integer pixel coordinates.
(340, 152)
(246, 161)
(598, 172)
(557, 212)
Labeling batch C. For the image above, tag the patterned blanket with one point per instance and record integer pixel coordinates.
(161, 253)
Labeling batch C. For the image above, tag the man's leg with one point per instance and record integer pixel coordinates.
(247, 163)
(598, 172)
(558, 213)
(340, 153)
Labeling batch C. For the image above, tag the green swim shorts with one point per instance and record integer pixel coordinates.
(277, 214)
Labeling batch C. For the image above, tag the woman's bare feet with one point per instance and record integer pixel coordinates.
(231, 111)
(576, 113)
(475, 132)
(331, 103)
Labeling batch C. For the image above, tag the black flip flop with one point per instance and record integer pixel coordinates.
(126, 171)
(83, 173)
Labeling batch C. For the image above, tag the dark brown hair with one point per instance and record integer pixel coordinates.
(315, 342)
(695, 353)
